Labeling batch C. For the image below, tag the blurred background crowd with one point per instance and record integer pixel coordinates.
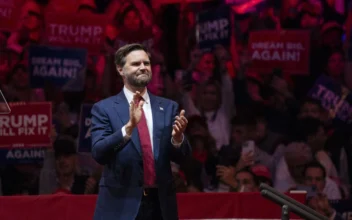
(245, 127)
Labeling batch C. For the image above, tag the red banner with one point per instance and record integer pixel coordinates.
(9, 14)
(230, 206)
(77, 31)
(27, 125)
(287, 50)
(143, 36)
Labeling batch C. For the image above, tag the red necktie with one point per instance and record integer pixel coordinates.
(147, 153)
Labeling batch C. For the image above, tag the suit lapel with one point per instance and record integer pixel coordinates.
(158, 123)
(122, 108)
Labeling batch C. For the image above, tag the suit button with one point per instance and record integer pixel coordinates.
(140, 183)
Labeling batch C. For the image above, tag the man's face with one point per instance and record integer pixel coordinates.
(309, 21)
(314, 177)
(137, 69)
(132, 21)
(238, 133)
(310, 110)
(296, 167)
(332, 38)
(246, 182)
(261, 130)
(336, 65)
(206, 65)
(65, 164)
(20, 79)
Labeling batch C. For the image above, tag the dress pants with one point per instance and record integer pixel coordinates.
(150, 205)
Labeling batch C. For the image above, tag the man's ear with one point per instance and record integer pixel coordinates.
(119, 70)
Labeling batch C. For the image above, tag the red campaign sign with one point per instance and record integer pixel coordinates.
(9, 13)
(143, 36)
(27, 125)
(76, 31)
(288, 50)
(167, 2)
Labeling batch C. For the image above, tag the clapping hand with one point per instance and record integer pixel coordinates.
(179, 127)
(136, 109)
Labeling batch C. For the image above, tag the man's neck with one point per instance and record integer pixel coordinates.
(134, 89)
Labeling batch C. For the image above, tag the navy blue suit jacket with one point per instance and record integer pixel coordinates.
(121, 184)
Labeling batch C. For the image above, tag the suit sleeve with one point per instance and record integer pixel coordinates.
(104, 140)
(185, 148)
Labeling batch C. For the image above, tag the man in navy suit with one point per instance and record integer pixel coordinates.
(135, 135)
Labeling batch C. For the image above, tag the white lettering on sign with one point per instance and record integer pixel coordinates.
(58, 72)
(277, 51)
(77, 34)
(76, 30)
(213, 30)
(12, 125)
(277, 45)
(329, 100)
(267, 55)
(55, 67)
(213, 26)
(347, 215)
(87, 123)
(5, 12)
(25, 154)
(46, 61)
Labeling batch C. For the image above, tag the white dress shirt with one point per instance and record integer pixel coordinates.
(147, 108)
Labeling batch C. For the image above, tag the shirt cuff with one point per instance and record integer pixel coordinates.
(124, 134)
(177, 144)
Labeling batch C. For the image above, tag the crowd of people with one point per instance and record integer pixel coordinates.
(244, 127)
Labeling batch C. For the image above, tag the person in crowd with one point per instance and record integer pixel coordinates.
(18, 87)
(244, 180)
(289, 170)
(68, 178)
(263, 174)
(247, 181)
(338, 148)
(311, 108)
(315, 176)
(320, 204)
(20, 179)
(213, 106)
(30, 28)
(233, 157)
(331, 35)
(335, 67)
(312, 131)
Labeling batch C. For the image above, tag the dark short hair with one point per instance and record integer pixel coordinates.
(122, 52)
(309, 100)
(307, 127)
(64, 146)
(248, 170)
(314, 164)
